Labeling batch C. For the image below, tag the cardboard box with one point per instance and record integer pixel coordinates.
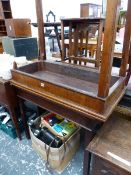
(61, 127)
(59, 158)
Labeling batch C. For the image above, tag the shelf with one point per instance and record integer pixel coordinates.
(3, 32)
(7, 11)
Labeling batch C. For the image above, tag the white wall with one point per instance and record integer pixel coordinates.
(61, 8)
(23, 9)
(65, 8)
(124, 4)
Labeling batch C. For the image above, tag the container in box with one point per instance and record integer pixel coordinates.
(59, 158)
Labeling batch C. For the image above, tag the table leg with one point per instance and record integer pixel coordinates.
(58, 40)
(15, 121)
(87, 156)
(21, 104)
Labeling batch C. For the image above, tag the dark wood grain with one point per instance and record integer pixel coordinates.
(113, 140)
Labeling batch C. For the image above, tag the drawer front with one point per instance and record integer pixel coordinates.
(103, 167)
(56, 92)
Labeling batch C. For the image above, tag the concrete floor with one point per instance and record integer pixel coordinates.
(18, 158)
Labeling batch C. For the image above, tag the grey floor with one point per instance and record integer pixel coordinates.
(18, 158)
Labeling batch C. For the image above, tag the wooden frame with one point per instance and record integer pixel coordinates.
(79, 40)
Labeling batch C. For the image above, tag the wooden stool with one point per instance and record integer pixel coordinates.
(79, 43)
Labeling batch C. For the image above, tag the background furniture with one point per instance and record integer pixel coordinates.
(79, 43)
(110, 149)
(27, 47)
(55, 26)
(5, 13)
(90, 10)
(18, 27)
(8, 98)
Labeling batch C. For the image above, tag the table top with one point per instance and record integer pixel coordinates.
(58, 23)
(113, 142)
(89, 20)
(47, 24)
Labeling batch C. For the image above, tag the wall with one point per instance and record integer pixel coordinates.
(61, 8)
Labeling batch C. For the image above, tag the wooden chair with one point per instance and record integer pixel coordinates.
(79, 43)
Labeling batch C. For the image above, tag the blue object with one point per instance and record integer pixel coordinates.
(21, 47)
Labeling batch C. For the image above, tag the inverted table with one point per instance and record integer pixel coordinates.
(69, 91)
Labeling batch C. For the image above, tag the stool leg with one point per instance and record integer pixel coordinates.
(15, 121)
(21, 104)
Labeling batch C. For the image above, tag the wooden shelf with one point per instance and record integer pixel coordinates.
(2, 25)
(3, 32)
(7, 11)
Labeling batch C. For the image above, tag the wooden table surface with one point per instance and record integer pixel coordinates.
(113, 142)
